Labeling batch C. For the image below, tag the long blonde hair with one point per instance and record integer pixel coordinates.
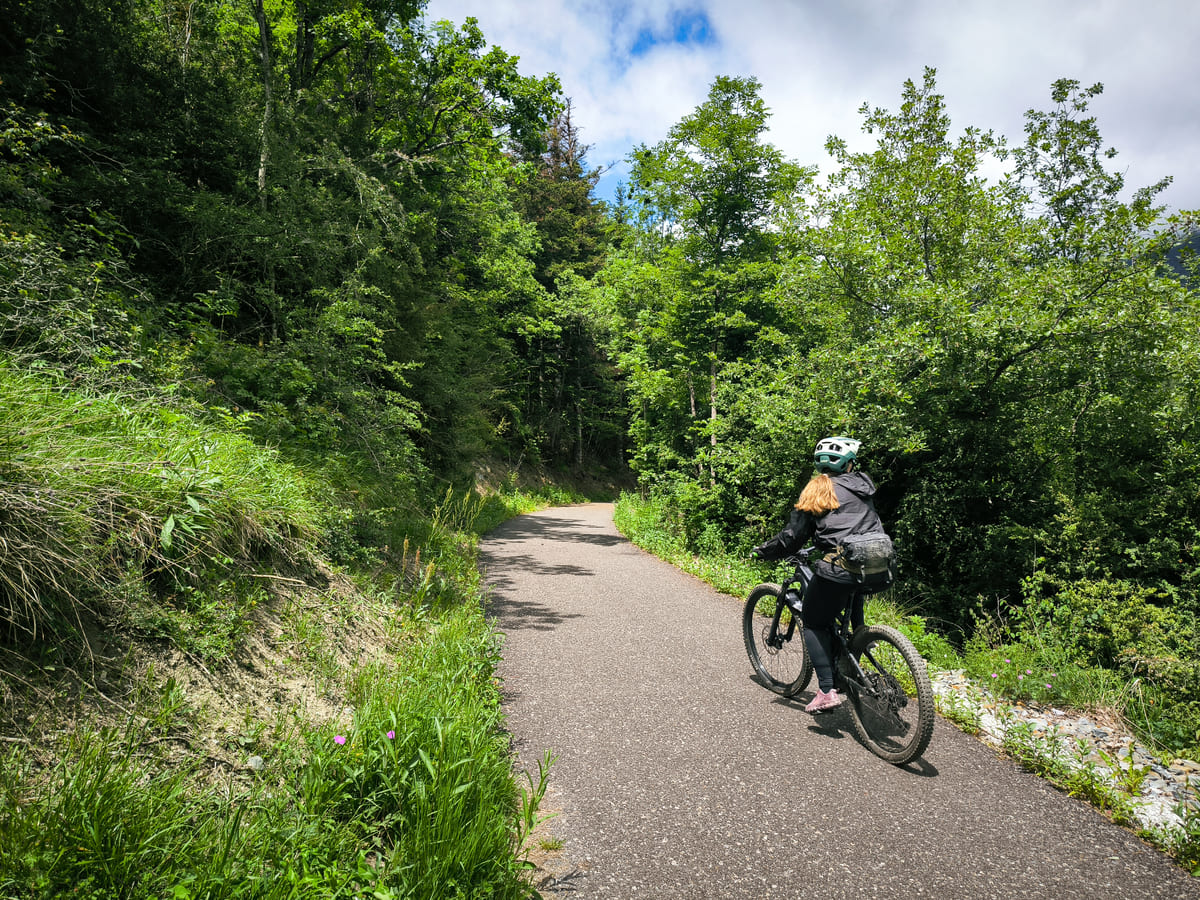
(818, 496)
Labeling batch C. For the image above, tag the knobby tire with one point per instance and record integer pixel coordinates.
(782, 664)
(894, 719)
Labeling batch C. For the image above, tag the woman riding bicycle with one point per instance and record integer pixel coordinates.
(835, 504)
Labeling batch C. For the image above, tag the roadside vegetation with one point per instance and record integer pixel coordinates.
(280, 335)
(411, 795)
(147, 557)
(296, 299)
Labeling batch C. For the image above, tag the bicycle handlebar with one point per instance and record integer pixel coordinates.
(801, 556)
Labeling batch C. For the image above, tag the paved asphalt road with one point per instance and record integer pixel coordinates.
(678, 776)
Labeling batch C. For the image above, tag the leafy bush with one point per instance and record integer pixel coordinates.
(1101, 620)
(58, 309)
(935, 648)
(1097, 643)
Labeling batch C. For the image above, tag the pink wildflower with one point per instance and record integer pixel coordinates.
(339, 739)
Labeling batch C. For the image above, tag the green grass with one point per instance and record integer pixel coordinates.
(1032, 662)
(414, 798)
(1075, 773)
(174, 533)
(108, 499)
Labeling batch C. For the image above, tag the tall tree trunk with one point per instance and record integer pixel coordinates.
(306, 41)
(578, 429)
(695, 419)
(714, 356)
(712, 417)
(178, 18)
(264, 147)
(264, 55)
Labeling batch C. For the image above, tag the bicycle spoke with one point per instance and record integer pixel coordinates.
(775, 644)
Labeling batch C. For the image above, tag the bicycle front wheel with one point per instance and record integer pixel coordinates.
(774, 639)
(892, 709)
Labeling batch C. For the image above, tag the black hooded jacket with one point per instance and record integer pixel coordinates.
(855, 515)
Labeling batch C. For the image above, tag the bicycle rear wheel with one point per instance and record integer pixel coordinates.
(774, 639)
(893, 709)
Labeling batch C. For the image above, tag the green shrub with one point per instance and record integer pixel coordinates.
(1101, 620)
(936, 649)
(64, 309)
(1097, 644)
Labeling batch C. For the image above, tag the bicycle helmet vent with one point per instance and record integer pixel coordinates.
(834, 454)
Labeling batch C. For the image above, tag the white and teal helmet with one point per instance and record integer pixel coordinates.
(834, 454)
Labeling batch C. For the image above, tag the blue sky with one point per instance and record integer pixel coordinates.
(685, 27)
(634, 69)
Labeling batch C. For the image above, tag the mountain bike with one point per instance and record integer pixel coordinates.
(884, 680)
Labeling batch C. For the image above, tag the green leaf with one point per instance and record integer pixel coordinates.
(428, 763)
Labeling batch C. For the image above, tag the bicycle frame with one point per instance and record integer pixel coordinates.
(802, 576)
(876, 666)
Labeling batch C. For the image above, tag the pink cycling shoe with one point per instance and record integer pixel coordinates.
(824, 701)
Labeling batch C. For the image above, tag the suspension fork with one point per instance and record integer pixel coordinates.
(799, 581)
(775, 639)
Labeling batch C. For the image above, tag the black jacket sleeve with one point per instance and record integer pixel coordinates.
(798, 531)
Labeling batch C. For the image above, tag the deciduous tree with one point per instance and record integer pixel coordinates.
(708, 197)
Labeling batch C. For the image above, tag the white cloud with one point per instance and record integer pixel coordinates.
(818, 61)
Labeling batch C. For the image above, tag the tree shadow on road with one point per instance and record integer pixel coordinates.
(495, 567)
(502, 601)
(532, 525)
(511, 614)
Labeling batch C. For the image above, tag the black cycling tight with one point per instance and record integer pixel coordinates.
(823, 601)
